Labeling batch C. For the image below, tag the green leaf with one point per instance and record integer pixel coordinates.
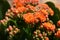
(4, 6)
(0, 13)
(56, 16)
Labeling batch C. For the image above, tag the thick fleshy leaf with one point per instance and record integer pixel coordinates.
(0, 13)
(56, 16)
(4, 6)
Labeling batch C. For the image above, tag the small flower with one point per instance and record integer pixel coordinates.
(40, 16)
(22, 1)
(44, 11)
(31, 7)
(27, 1)
(14, 10)
(15, 1)
(22, 9)
(49, 26)
(57, 34)
(34, 1)
(19, 4)
(29, 18)
(58, 23)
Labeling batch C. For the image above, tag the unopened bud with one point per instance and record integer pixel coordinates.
(11, 33)
(9, 10)
(7, 18)
(2, 22)
(35, 33)
(15, 32)
(17, 29)
(10, 28)
(7, 29)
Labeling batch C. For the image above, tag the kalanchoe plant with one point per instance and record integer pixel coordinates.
(30, 20)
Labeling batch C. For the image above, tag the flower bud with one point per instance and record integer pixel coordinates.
(10, 28)
(11, 33)
(40, 35)
(15, 32)
(35, 33)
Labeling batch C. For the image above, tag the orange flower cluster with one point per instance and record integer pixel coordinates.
(40, 16)
(29, 18)
(40, 11)
(33, 13)
(19, 9)
(49, 26)
(37, 16)
(24, 2)
(18, 6)
(17, 3)
(45, 8)
(57, 34)
(21, 6)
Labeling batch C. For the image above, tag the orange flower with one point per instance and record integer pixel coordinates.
(58, 23)
(57, 34)
(29, 18)
(40, 16)
(44, 11)
(27, 1)
(22, 1)
(19, 4)
(51, 11)
(22, 9)
(34, 1)
(15, 1)
(14, 10)
(31, 7)
(44, 6)
(49, 26)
